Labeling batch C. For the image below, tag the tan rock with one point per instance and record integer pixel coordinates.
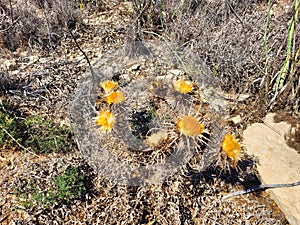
(236, 119)
(176, 72)
(278, 163)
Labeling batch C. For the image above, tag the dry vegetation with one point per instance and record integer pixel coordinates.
(41, 68)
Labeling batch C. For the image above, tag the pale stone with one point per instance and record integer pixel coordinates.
(134, 67)
(236, 119)
(278, 163)
(237, 98)
(6, 63)
(176, 72)
(164, 77)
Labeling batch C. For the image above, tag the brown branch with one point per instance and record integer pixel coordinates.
(260, 187)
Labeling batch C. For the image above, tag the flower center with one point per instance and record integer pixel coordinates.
(190, 126)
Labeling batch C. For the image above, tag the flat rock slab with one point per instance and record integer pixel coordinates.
(277, 163)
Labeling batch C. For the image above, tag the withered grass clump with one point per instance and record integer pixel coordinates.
(229, 36)
(37, 24)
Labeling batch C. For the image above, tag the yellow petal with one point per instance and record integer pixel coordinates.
(108, 85)
(106, 120)
(183, 86)
(231, 147)
(115, 97)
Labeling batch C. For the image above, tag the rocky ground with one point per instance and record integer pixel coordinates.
(41, 68)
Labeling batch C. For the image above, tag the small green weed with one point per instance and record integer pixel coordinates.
(286, 67)
(65, 188)
(42, 136)
(6, 123)
(32, 196)
(69, 185)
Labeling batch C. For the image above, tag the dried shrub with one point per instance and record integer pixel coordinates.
(229, 36)
(37, 23)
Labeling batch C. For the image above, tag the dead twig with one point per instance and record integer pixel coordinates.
(234, 12)
(260, 187)
(18, 143)
(94, 87)
(10, 26)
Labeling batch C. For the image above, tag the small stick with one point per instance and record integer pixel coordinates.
(84, 54)
(11, 12)
(260, 187)
(18, 143)
(94, 75)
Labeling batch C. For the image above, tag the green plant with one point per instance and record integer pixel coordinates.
(286, 65)
(66, 187)
(43, 136)
(8, 125)
(32, 196)
(35, 133)
(69, 185)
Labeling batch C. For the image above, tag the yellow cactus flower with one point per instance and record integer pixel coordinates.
(190, 126)
(108, 86)
(115, 97)
(182, 86)
(156, 138)
(231, 147)
(106, 120)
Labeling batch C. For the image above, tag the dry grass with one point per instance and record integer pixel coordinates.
(229, 35)
(36, 24)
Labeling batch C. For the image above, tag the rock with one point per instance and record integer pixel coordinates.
(134, 67)
(236, 119)
(176, 72)
(237, 98)
(278, 163)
